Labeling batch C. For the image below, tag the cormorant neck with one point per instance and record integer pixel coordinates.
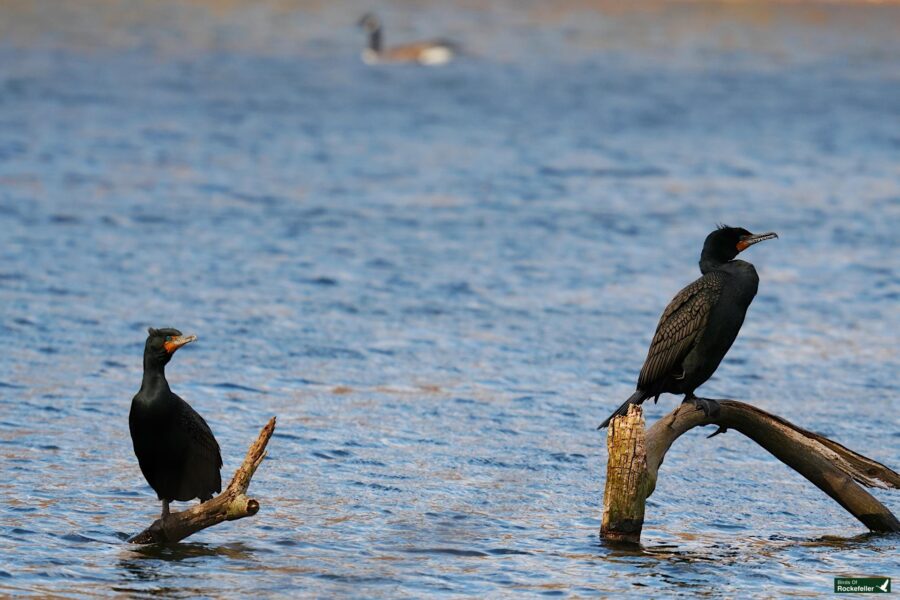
(708, 263)
(154, 376)
(375, 40)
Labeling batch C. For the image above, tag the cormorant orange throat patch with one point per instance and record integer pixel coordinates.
(173, 342)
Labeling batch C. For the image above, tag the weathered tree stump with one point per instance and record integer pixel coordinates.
(635, 455)
(230, 505)
(628, 481)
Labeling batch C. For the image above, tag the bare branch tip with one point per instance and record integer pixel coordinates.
(252, 506)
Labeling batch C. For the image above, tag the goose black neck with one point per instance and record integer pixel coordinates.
(375, 40)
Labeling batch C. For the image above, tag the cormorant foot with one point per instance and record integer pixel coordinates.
(721, 429)
(709, 407)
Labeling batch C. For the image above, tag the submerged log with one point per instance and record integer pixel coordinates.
(230, 505)
(834, 469)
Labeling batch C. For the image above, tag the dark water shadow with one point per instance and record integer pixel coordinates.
(864, 539)
(612, 550)
(871, 541)
(730, 553)
(145, 570)
(183, 551)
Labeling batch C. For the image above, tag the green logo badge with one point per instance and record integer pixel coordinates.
(862, 585)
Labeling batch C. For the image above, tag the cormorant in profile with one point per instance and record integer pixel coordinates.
(177, 451)
(429, 53)
(701, 322)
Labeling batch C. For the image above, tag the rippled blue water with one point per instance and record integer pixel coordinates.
(440, 281)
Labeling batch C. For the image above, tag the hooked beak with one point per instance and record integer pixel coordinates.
(749, 240)
(177, 342)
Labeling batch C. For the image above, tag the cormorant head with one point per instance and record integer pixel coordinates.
(369, 22)
(162, 344)
(726, 242)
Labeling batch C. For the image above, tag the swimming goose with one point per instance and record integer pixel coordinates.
(428, 53)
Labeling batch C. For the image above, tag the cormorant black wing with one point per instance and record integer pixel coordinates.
(679, 327)
(205, 459)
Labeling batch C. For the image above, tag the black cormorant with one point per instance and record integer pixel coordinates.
(175, 447)
(701, 322)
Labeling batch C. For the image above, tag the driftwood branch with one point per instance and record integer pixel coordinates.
(230, 505)
(836, 470)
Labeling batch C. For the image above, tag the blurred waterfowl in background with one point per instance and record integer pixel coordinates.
(429, 53)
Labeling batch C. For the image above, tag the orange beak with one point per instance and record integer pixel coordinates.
(177, 342)
(748, 240)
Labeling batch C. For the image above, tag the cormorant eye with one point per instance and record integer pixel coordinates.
(168, 338)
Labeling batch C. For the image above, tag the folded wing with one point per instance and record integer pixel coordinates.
(679, 328)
